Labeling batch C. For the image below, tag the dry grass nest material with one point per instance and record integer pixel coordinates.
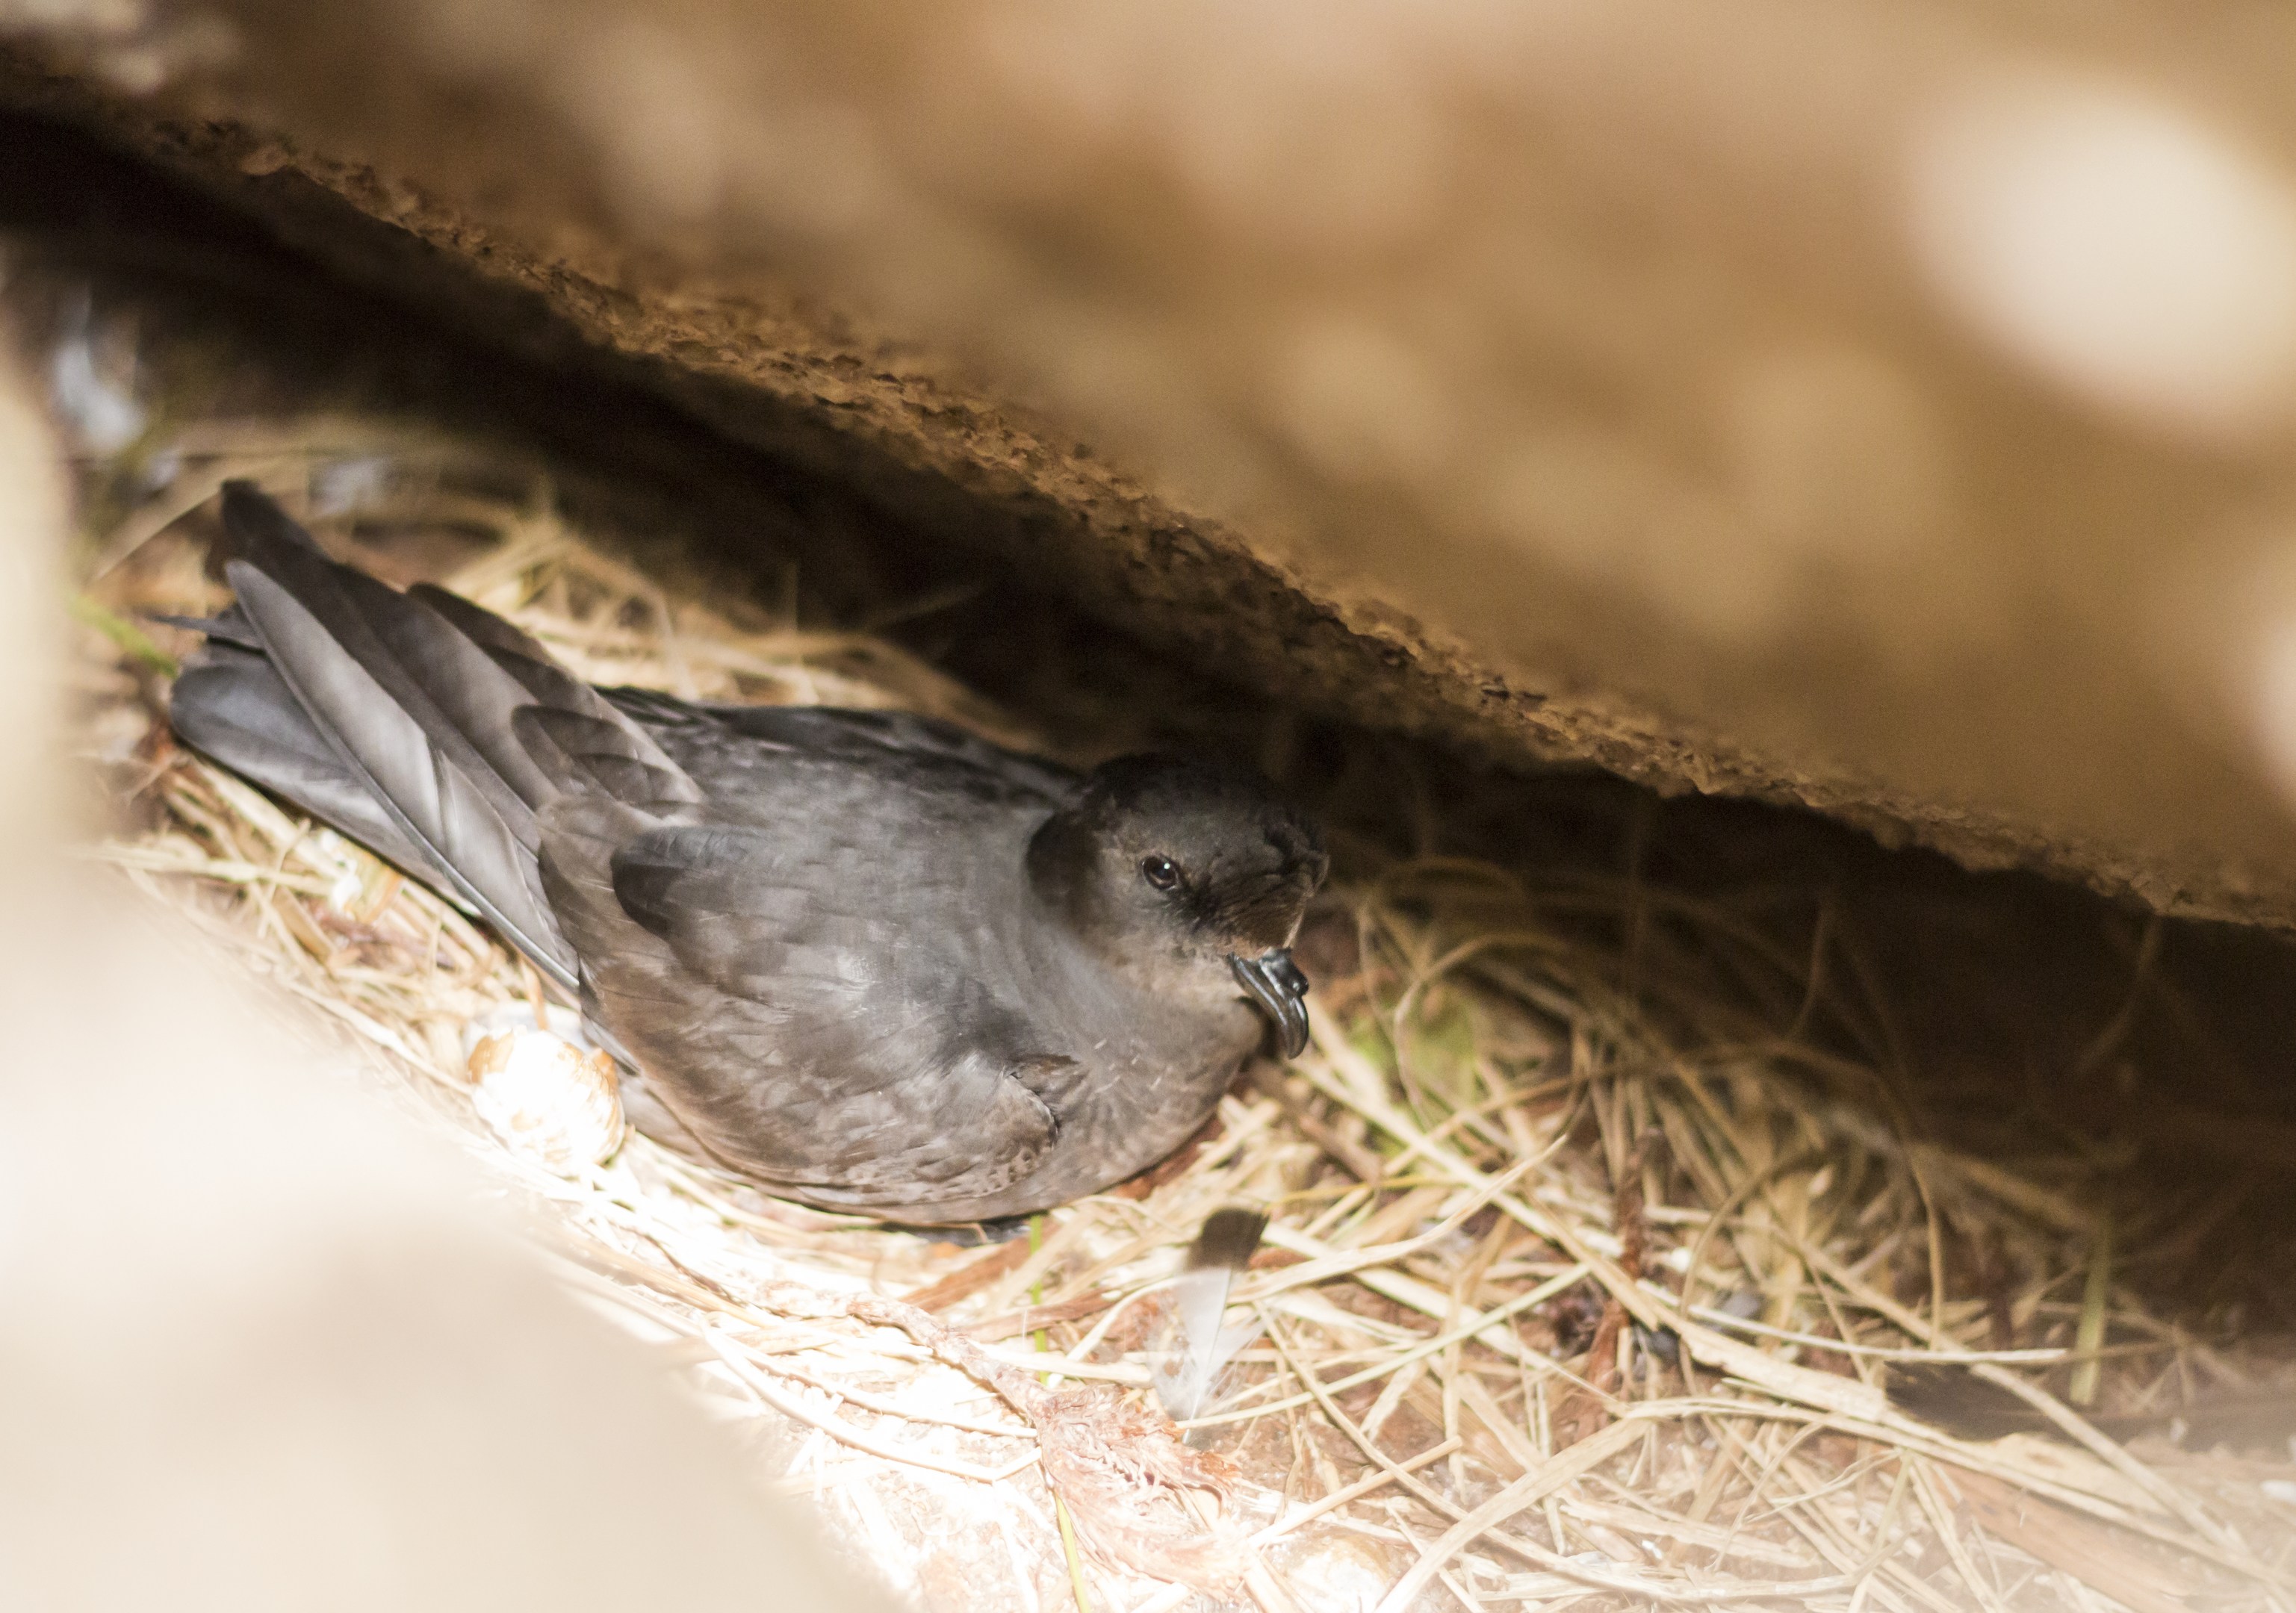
(1583, 1276)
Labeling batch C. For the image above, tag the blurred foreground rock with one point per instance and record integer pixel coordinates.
(267, 1347)
(1891, 410)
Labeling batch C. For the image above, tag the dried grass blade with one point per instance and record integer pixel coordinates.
(1710, 1348)
(2072, 1545)
(2227, 1547)
(845, 1433)
(1355, 1492)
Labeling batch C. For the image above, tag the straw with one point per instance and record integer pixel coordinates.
(1540, 1109)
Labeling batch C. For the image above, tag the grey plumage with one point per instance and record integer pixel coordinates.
(1198, 1346)
(866, 959)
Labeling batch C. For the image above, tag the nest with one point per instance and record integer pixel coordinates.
(1605, 1266)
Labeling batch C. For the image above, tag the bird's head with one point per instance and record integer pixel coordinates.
(1188, 878)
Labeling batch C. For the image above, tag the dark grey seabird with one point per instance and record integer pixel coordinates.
(865, 959)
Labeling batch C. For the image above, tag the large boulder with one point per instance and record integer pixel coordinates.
(1887, 409)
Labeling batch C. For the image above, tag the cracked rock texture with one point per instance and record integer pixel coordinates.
(1890, 411)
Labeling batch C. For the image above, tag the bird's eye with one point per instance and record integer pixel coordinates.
(1161, 872)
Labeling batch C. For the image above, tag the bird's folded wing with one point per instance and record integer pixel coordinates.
(819, 912)
(232, 705)
(414, 659)
(865, 738)
(557, 693)
(607, 756)
(456, 823)
(814, 1048)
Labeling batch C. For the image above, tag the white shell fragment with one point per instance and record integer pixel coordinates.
(548, 1099)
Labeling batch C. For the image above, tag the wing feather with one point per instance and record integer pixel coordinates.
(415, 778)
(233, 707)
(440, 680)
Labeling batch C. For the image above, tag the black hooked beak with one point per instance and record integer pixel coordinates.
(1275, 986)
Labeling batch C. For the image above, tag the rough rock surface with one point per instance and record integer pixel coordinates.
(1886, 411)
